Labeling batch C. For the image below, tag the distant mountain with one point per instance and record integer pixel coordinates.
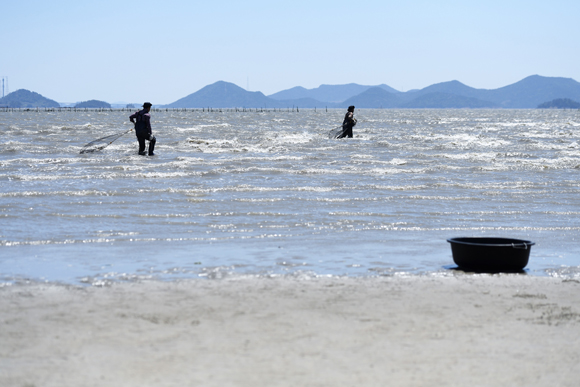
(374, 98)
(533, 90)
(27, 99)
(451, 87)
(439, 96)
(301, 102)
(328, 93)
(223, 95)
(228, 95)
(527, 93)
(439, 100)
(93, 103)
(293, 93)
(560, 103)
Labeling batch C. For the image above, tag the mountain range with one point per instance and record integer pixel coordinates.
(328, 93)
(528, 93)
(525, 94)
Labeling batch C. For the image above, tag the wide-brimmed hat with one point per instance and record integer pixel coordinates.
(147, 104)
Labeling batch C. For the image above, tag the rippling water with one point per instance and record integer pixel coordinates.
(264, 193)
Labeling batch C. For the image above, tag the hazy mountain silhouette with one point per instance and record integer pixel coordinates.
(327, 93)
(222, 95)
(440, 100)
(451, 87)
(534, 90)
(527, 93)
(228, 95)
(23, 98)
(374, 98)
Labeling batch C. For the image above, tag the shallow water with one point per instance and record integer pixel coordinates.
(268, 193)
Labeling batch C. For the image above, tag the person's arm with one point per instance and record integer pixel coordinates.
(350, 119)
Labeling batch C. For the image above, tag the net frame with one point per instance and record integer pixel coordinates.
(102, 143)
(336, 132)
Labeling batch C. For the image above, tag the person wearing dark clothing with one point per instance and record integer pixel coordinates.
(142, 121)
(348, 123)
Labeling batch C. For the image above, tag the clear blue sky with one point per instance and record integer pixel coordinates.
(160, 51)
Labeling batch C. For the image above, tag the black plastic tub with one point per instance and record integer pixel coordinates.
(491, 254)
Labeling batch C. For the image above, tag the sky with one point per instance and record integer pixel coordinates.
(160, 51)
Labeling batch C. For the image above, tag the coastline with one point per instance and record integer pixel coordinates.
(480, 330)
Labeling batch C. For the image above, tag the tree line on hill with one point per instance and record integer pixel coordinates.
(560, 103)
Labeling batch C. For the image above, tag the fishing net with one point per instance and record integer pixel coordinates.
(101, 143)
(336, 132)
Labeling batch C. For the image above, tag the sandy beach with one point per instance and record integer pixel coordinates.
(463, 330)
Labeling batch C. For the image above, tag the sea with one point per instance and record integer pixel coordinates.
(265, 193)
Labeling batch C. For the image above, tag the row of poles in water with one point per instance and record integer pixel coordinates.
(208, 109)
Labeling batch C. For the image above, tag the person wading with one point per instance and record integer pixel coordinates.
(348, 123)
(142, 121)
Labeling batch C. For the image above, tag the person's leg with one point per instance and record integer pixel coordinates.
(152, 141)
(349, 132)
(141, 145)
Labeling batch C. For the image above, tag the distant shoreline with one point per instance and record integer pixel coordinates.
(244, 110)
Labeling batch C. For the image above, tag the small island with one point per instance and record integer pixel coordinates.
(93, 103)
(560, 103)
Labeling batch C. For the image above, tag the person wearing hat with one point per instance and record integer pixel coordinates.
(348, 123)
(142, 121)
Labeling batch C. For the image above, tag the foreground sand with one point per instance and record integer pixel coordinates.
(507, 330)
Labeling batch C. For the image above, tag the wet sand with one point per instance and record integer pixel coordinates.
(464, 330)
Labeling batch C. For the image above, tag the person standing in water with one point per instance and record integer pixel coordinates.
(348, 123)
(142, 121)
